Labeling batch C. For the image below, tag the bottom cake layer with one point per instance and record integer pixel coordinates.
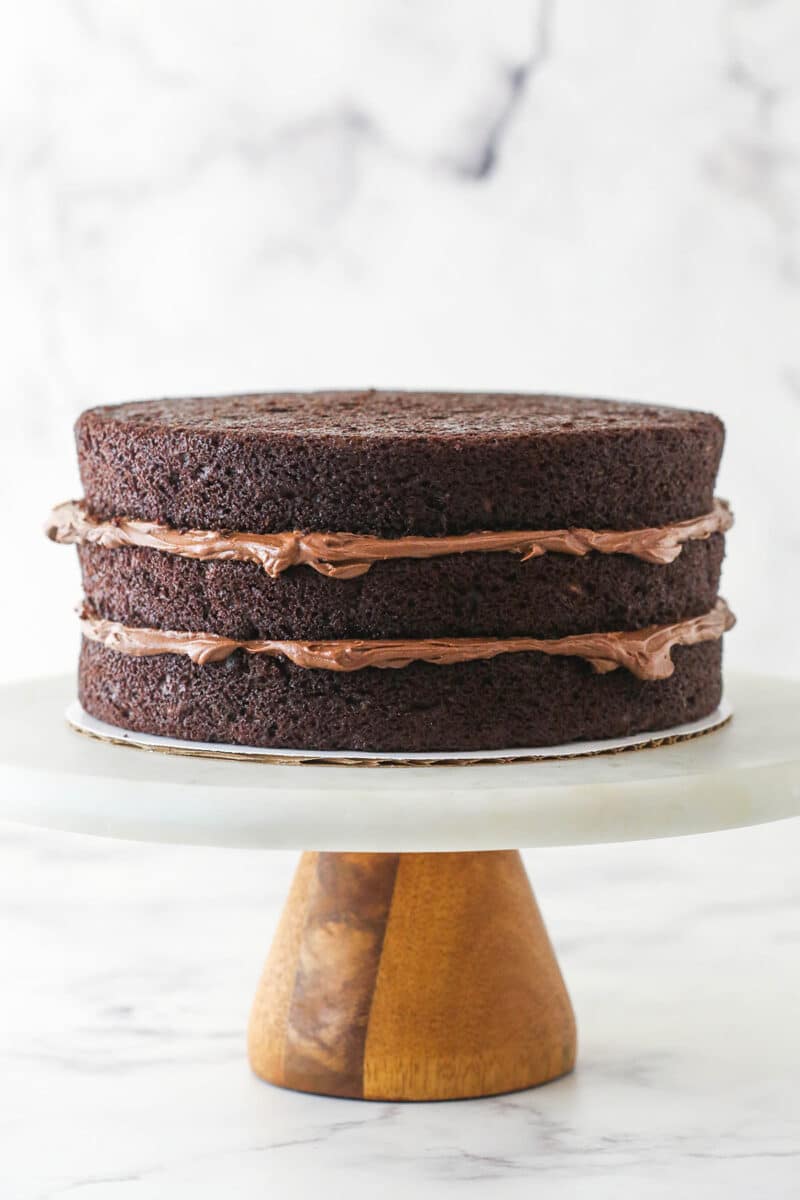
(526, 699)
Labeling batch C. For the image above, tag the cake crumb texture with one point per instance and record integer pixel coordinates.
(397, 463)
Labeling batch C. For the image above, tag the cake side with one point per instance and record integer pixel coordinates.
(518, 700)
(456, 595)
(398, 463)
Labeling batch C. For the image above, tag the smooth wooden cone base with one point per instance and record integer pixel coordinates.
(411, 977)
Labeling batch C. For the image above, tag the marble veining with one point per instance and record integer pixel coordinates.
(600, 199)
(596, 198)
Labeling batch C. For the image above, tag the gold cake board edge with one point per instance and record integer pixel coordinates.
(295, 760)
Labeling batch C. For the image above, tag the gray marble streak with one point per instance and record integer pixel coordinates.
(481, 159)
(129, 972)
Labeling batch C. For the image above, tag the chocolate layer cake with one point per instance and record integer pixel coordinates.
(398, 571)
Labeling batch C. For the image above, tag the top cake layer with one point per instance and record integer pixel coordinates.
(396, 463)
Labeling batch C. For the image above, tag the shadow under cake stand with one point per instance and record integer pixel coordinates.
(411, 962)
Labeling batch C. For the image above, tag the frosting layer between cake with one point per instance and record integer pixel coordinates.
(644, 652)
(348, 555)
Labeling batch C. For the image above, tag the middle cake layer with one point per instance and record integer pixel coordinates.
(464, 595)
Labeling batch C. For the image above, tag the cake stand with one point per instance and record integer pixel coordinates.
(411, 962)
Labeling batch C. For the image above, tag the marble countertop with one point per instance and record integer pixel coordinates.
(129, 970)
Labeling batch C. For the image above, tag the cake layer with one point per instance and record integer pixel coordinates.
(467, 595)
(515, 700)
(395, 463)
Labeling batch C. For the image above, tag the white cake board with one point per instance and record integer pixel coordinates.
(745, 773)
(83, 722)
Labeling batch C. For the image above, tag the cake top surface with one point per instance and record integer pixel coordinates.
(394, 414)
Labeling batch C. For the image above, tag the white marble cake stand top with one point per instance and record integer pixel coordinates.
(744, 774)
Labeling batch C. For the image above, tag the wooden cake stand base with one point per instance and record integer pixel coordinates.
(411, 977)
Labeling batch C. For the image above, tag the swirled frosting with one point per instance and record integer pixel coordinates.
(647, 653)
(346, 555)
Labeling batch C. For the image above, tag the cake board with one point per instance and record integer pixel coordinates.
(411, 962)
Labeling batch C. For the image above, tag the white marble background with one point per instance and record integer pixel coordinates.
(567, 195)
(600, 198)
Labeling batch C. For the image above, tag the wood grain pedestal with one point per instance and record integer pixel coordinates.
(411, 977)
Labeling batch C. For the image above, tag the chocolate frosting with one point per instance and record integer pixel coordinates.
(644, 652)
(346, 555)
